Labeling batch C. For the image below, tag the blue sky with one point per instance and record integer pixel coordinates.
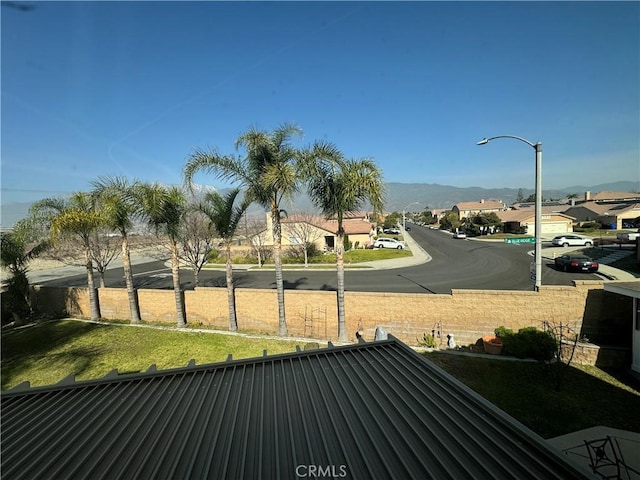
(131, 88)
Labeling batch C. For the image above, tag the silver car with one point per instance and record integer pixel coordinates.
(572, 241)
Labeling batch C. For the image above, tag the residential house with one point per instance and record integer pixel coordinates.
(613, 215)
(523, 221)
(469, 209)
(296, 229)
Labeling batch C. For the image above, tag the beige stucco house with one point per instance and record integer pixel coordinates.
(296, 229)
(468, 209)
(516, 221)
(615, 215)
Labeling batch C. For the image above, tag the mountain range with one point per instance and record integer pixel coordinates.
(406, 196)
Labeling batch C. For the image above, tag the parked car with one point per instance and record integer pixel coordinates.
(391, 231)
(628, 236)
(576, 263)
(388, 243)
(459, 235)
(572, 240)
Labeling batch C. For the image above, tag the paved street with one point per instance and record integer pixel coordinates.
(440, 263)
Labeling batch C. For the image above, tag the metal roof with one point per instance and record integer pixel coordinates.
(369, 410)
(628, 289)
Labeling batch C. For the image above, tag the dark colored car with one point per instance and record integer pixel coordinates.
(576, 263)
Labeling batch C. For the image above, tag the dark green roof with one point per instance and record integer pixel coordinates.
(370, 410)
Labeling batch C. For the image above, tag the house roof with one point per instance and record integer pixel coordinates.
(522, 215)
(609, 195)
(474, 206)
(628, 289)
(352, 226)
(613, 209)
(370, 410)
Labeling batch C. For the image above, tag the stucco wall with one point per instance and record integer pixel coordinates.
(467, 314)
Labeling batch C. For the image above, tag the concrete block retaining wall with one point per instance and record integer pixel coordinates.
(467, 314)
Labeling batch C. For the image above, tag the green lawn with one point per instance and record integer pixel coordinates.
(351, 257)
(46, 353)
(588, 397)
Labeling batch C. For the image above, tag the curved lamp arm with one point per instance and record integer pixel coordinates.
(487, 140)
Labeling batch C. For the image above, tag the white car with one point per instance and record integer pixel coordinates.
(459, 235)
(572, 241)
(388, 243)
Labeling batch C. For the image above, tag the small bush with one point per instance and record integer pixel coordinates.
(428, 341)
(529, 342)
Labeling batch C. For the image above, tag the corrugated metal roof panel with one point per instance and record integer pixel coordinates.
(372, 410)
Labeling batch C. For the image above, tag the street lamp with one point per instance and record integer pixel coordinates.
(404, 220)
(538, 206)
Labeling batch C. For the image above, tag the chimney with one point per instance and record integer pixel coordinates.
(482, 200)
(587, 196)
(573, 202)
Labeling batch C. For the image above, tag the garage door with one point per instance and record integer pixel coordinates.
(549, 228)
(555, 227)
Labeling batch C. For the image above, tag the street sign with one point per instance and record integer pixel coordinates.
(520, 240)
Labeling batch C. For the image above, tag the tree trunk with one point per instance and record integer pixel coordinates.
(134, 310)
(342, 327)
(175, 272)
(196, 277)
(102, 283)
(233, 321)
(93, 293)
(277, 259)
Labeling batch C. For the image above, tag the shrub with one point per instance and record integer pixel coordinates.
(529, 342)
(347, 243)
(428, 341)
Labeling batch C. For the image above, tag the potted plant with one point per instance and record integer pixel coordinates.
(492, 344)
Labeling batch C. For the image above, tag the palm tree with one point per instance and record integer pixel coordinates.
(338, 189)
(225, 217)
(163, 209)
(77, 217)
(16, 251)
(271, 171)
(114, 195)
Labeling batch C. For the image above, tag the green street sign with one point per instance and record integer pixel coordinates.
(520, 240)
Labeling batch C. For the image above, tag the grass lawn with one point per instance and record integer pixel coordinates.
(588, 397)
(46, 353)
(352, 256)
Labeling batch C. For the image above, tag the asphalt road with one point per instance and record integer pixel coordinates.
(455, 264)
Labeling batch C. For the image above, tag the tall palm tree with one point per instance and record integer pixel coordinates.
(114, 195)
(77, 217)
(338, 189)
(163, 209)
(225, 217)
(271, 171)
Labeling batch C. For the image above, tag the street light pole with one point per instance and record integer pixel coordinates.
(538, 205)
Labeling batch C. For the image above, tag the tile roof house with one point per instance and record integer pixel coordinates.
(614, 214)
(467, 209)
(320, 231)
(608, 196)
(523, 221)
(374, 410)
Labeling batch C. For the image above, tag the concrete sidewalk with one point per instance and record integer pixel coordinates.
(627, 443)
